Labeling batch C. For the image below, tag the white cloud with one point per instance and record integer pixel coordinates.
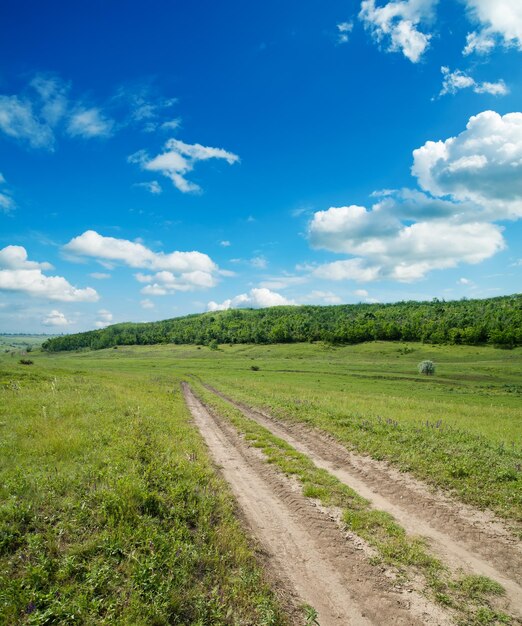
(344, 29)
(457, 80)
(147, 108)
(350, 269)
(284, 281)
(328, 297)
(225, 243)
(178, 160)
(99, 275)
(500, 21)
(56, 318)
(153, 187)
(254, 299)
(174, 271)
(18, 120)
(105, 317)
(259, 262)
(405, 253)
(464, 281)
(6, 201)
(472, 181)
(44, 109)
(136, 255)
(396, 23)
(171, 125)
(482, 165)
(164, 282)
(18, 274)
(15, 258)
(361, 293)
(146, 304)
(88, 123)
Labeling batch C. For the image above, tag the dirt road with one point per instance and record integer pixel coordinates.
(460, 536)
(307, 552)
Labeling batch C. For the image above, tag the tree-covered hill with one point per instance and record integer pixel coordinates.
(496, 321)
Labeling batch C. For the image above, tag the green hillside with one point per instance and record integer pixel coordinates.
(495, 321)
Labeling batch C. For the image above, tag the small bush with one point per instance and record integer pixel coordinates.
(25, 362)
(254, 368)
(426, 367)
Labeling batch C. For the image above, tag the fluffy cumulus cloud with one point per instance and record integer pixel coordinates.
(469, 182)
(44, 108)
(482, 165)
(397, 25)
(403, 25)
(500, 21)
(56, 318)
(255, 299)
(179, 159)
(457, 80)
(173, 271)
(406, 253)
(15, 258)
(18, 274)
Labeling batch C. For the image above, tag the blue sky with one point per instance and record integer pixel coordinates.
(165, 158)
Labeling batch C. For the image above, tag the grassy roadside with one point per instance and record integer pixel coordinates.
(468, 596)
(110, 511)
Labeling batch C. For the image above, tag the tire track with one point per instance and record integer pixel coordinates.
(305, 549)
(457, 535)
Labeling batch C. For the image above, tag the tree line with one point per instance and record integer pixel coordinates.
(494, 321)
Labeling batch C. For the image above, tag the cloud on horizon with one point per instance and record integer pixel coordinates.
(259, 298)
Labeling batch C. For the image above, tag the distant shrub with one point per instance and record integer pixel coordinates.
(213, 345)
(25, 362)
(254, 368)
(426, 367)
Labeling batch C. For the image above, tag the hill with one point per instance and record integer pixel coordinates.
(496, 321)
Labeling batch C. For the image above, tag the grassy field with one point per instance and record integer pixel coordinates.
(460, 429)
(110, 512)
(110, 509)
(22, 342)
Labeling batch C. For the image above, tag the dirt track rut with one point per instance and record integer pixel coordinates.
(460, 536)
(307, 552)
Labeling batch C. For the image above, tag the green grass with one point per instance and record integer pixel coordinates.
(110, 512)
(21, 342)
(79, 462)
(468, 596)
(460, 429)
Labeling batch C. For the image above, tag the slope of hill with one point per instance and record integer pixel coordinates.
(496, 321)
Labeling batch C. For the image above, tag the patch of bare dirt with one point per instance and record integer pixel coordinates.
(304, 548)
(461, 536)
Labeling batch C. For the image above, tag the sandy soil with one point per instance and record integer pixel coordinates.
(304, 547)
(461, 536)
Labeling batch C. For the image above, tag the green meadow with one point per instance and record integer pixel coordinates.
(112, 513)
